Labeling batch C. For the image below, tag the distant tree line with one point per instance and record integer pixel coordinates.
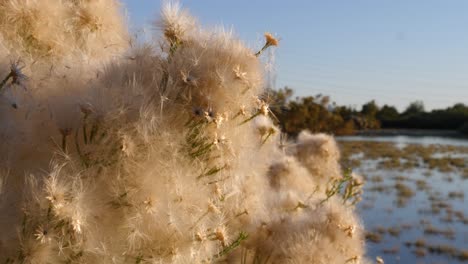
(319, 114)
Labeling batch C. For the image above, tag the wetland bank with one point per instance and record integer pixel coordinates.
(413, 205)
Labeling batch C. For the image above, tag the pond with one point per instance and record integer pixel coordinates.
(402, 140)
(413, 207)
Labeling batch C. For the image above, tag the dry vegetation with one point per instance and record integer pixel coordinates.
(160, 152)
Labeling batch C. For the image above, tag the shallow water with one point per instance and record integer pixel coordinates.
(402, 141)
(435, 212)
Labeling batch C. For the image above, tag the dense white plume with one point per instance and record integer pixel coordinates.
(165, 152)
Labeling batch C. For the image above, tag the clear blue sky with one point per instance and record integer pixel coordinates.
(353, 50)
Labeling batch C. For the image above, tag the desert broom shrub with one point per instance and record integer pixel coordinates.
(155, 153)
(49, 29)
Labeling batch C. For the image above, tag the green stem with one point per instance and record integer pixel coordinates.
(242, 236)
(2, 84)
(85, 135)
(64, 143)
(250, 118)
(94, 130)
(262, 50)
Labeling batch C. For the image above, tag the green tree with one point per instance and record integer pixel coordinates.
(370, 109)
(414, 108)
(387, 113)
(368, 118)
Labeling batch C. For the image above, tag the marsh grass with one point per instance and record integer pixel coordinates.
(373, 237)
(440, 249)
(410, 176)
(433, 157)
(404, 193)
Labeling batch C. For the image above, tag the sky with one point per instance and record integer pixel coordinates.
(395, 52)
